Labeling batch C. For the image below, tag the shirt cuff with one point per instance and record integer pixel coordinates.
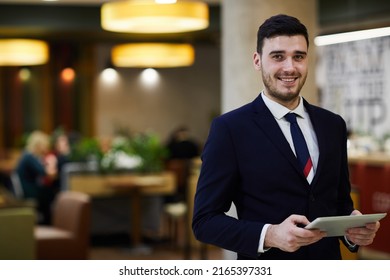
(261, 248)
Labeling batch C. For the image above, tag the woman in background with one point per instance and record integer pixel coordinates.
(36, 170)
(61, 150)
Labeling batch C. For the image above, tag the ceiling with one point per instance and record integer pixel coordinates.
(79, 2)
(73, 2)
(79, 20)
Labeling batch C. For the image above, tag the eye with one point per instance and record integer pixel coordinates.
(299, 57)
(277, 57)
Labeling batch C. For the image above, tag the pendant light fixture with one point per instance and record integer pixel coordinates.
(149, 16)
(23, 52)
(155, 55)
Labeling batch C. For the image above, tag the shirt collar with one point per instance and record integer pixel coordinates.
(279, 111)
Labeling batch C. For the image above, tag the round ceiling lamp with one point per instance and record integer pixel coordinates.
(148, 16)
(156, 55)
(23, 52)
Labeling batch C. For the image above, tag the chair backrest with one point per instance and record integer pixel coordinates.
(180, 167)
(72, 212)
(17, 188)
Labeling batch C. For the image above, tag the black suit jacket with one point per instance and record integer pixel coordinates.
(248, 161)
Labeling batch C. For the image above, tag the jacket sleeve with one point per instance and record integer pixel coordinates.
(219, 179)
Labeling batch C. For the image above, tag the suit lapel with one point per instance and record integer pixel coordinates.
(267, 123)
(317, 125)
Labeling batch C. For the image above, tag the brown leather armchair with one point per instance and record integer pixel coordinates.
(68, 237)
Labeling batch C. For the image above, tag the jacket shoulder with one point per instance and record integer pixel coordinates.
(323, 113)
(240, 113)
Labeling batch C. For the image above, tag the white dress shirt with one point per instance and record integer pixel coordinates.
(303, 119)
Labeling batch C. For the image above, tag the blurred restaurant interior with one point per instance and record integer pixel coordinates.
(118, 111)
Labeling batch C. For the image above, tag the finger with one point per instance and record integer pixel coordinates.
(368, 230)
(356, 212)
(373, 226)
(361, 239)
(310, 237)
(299, 219)
(361, 242)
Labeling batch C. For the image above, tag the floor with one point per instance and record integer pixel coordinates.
(118, 247)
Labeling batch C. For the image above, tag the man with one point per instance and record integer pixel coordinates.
(250, 159)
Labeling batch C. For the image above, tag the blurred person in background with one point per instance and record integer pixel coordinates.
(61, 149)
(37, 169)
(181, 146)
(182, 149)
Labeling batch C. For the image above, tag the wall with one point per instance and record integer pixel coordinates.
(241, 83)
(188, 95)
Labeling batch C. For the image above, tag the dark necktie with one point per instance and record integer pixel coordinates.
(301, 150)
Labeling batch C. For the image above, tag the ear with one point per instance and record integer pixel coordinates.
(256, 61)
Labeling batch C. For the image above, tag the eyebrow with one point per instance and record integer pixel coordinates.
(281, 52)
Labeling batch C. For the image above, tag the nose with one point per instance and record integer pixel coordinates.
(288, 64)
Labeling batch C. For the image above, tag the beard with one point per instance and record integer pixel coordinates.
(284, 94)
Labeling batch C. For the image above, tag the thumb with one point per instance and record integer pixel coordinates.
(356, 212)
(299, 220)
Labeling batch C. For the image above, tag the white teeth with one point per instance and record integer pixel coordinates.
(287, 80)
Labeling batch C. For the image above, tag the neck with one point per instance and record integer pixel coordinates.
(290, 104)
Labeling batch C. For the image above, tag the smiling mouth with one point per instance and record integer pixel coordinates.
(288, 80)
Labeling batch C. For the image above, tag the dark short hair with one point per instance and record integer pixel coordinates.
(280, 25)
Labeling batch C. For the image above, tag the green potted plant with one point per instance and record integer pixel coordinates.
(86, 150)
(149, 148)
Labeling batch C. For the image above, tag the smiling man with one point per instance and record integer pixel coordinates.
(283, 62)
(273, 159)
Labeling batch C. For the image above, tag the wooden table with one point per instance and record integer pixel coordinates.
(127, 184)
(134, 185)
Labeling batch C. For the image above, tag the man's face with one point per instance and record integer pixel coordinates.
(284, 66)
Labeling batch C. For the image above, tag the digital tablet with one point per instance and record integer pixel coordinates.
(337, 225)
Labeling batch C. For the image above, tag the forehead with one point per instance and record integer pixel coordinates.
(285, 43)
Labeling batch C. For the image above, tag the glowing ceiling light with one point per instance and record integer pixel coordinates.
(150, 17)
(165, 1)
(20, 52)
(24, 74)
(150, 77)
(109, 75)
(68, 74)
(351, 36)
(155, 55)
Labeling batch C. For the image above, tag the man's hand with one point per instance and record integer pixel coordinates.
(364, 235)
(289, 237)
